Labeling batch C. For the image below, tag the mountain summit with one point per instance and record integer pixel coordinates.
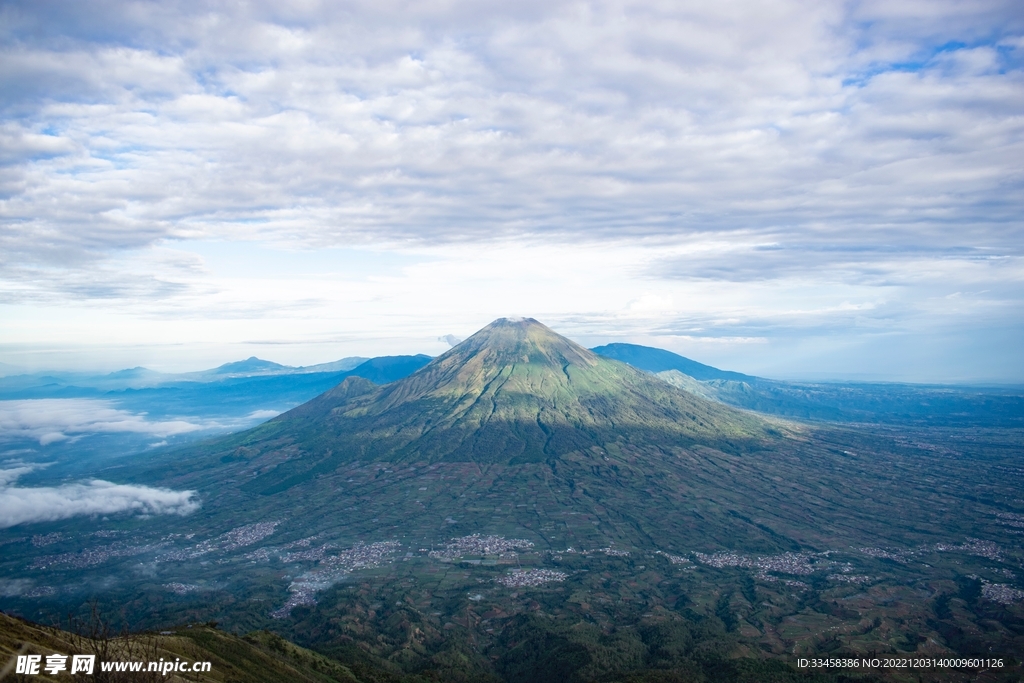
(513, 393)
(516, 415)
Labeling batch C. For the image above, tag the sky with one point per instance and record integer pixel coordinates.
(828, 190)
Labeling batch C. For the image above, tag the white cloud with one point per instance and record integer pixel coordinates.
(57, 419)
(771, 161)
(10, 475)
(22, 505)
(12, 588)
(262, 414)
(591, 119)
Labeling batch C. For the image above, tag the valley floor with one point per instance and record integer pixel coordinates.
(690, 565)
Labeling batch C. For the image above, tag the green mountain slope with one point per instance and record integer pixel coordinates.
(513, 393)
(518, 429)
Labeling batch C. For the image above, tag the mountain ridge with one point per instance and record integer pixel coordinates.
(514, 392)
(657, 360)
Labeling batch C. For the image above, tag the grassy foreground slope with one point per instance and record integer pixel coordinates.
(260, 657)
(532, 649)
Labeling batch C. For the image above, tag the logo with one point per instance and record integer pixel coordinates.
(30, 664)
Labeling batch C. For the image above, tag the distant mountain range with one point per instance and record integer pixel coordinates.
(255, 376)
(830, 401)
(250, 366)
(140, 377)
(228, 398)
(256, 386)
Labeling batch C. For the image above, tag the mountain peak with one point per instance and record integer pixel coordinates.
(512, 323)
(511, 355)
(252, 364)
(511, 341)
(514, 392)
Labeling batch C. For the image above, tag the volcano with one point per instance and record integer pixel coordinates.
(513, 393)
(522, 417)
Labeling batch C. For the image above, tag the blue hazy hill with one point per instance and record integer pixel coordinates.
(659, 360)
(874, 402)
(249, 365)
(230, 389)
(230, 397)
(387, 369)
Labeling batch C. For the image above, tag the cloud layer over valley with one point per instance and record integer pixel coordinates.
(57, 419)
(22, 505)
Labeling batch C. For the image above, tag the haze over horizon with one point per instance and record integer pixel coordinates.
(791, 190)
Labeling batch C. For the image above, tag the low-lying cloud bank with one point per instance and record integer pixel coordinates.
(56, 419)
(20, 505)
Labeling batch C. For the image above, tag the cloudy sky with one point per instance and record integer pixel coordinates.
(787, 188)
